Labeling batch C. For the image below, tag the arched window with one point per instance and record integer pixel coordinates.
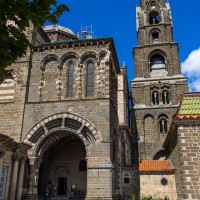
(154, 18)
(163, 127)
(155, 37)
(157, 62)
(155, 98)
(165, 97)
(90, 79)
(83, 166)
(70, 80)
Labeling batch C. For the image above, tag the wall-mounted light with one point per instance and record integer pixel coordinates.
(164, 180)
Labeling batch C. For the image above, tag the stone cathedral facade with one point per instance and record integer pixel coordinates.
(67, 127)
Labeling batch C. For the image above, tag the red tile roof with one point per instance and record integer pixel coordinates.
(155, 166)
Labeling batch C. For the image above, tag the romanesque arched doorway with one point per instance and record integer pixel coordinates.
(60, 145)
(63, 166)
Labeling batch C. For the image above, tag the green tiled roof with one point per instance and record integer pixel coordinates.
(189, 108)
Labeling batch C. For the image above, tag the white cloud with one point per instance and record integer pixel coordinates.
(191, 68)
(195, 86)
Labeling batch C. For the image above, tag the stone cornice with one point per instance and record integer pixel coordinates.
(95, 42)
(144, 107)
(158, 79)
(156, 45)
(78, 44)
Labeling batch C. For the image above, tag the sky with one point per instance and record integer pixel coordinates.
(117, 19)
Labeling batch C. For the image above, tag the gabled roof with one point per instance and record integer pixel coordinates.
(189, 108)
(150, 166)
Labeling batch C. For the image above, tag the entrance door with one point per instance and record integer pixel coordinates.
(62, 186)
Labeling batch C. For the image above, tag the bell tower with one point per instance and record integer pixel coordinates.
(158, 83)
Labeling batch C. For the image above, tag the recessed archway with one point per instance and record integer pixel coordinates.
(59, 167)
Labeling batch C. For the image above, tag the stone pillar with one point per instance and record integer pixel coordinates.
(32, 191)
(21, 178)
(16, 158)
(31, 179)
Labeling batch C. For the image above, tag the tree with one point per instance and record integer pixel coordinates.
(15, 16)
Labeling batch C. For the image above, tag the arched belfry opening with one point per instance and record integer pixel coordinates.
(157, 62)
(62, 154)
(154, 18)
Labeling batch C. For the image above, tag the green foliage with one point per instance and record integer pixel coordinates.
(133, 197)
(155, 197)
(13, 41)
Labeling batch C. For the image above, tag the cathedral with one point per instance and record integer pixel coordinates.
(72, 129)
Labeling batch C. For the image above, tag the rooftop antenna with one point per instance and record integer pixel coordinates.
(87, 32)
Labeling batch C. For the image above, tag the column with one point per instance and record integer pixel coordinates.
(21, 178)
(16, 158)
(32, 191)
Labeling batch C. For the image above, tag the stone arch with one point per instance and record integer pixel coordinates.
(62, 122)
(87, 56)
(69, 56)
(163, 115)
(158, 65)
(103, 55)
(163, 123)
(148, 115)
(159, 52)
(152, 35)
(48, 58)
(158, 154)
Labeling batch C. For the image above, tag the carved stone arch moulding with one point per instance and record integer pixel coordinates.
(148, 116)
(158, 153)
(159, 52)
(48, 58)
(149, 4)
(69, 56)
(104, 55)
(89, 55)
(58, 126)
(161, 114)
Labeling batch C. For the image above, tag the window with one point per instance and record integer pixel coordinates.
(155, 37)
(157, 62)
(70, 80)
(83, 166)
(126, 178)
(163, 124)
(90, 79)
(154, 18)
(165, 97)
(155, 98)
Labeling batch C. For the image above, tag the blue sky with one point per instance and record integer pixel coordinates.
(118, 20)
